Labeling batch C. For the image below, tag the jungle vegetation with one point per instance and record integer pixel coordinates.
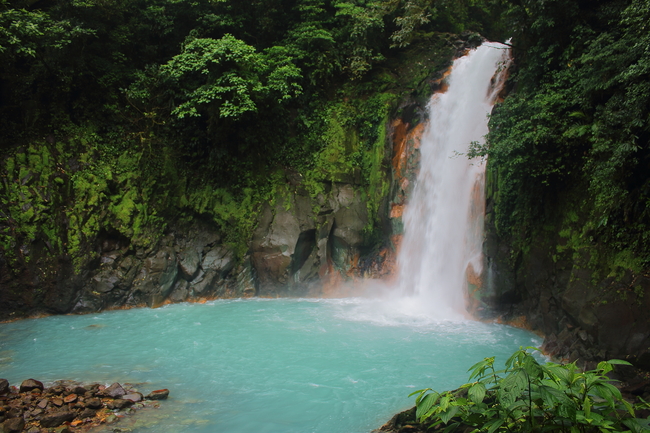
(121, 114)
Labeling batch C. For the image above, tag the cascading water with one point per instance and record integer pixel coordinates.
(444, 217)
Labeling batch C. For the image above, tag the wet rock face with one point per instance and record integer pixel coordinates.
(300, 243)
(301, 239)
(188, 264)
(584, 317)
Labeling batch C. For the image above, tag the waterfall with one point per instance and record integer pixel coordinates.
(443, 220)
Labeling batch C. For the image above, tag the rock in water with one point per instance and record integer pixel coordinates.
(134, 397)
(114, 391)
(30, 385)
(160, 394)
(118, 403)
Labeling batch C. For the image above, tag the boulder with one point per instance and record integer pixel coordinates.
(114, 391)
(55, 419)
(219, 259)
(4, 386)
(180, 292)
(30, 385)
(189, 262)
(160, 394)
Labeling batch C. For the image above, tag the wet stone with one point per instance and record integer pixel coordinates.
(114, 391)
(160, 394)
(134, 397)
(13, 425)
(119, 404)
(43, 403)
(94, 403)
(57, 418)
(30, 385)
(79, 390)
(57, 402)
(4, 386)
(87, 413)
(56, 390)
(70, 398)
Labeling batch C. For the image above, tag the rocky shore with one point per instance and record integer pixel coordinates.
(68, 407)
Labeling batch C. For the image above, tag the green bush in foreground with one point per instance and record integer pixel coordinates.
(528, 396)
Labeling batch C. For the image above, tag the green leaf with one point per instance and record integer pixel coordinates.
(618, 362)
(493, 425)
(449, 414)
(451, 427)
(477, 392)
(425, 405)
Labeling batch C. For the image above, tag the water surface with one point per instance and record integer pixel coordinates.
(244, 366)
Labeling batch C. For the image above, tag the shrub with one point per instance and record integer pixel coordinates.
(528, 396)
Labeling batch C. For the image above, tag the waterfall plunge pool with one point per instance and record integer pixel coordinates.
(260, 365)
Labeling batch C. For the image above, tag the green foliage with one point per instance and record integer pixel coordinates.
(28, 200)
(227, 77)
(118, 116)
(579, 118)
(528, 396)
(236, 214)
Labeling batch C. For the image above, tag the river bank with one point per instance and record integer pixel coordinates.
(69, 406)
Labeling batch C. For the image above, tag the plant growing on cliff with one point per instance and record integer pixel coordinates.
(529, 396)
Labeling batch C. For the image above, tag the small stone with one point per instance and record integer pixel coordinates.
(43, 403)
(55, 419)
(94, 403)
(15, 412)
(63, 429)
(78, 389)
(36, 412)
(114, 391)
(30, 384)
(111, 419)
(34, 430)
(13, 425)
(70, 398)
(134, 397)
(56, 390)
(57, 402)
(118, 403)
(4, 386)
(88, 413)
(159, 394)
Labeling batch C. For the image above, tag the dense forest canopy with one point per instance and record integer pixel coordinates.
(121, 113)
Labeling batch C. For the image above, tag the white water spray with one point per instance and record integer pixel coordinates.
(444, 217)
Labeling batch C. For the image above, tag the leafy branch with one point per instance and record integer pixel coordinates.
(528, 396)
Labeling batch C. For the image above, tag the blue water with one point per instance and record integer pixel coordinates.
(260, 365)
